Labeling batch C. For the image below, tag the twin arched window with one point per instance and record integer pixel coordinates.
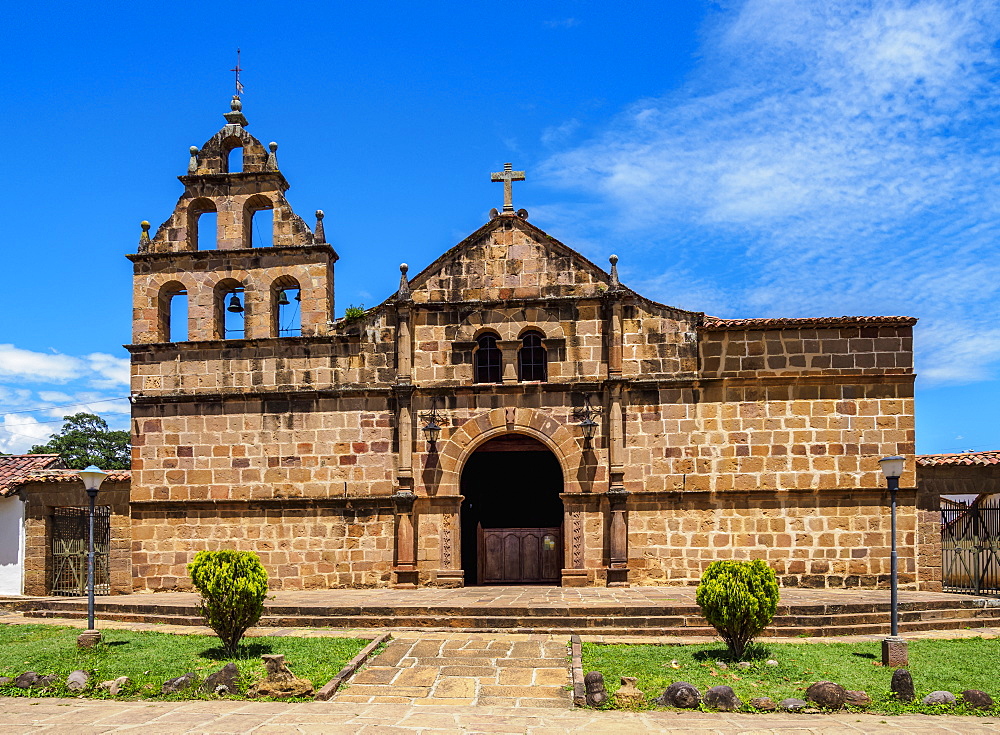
(532, 359)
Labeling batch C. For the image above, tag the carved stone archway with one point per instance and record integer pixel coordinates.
(554, 435)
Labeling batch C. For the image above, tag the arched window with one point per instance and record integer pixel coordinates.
(286, 314)
(202, 224)
(178, 327)
(230, 310)
(258, 222)
(234, 159)
(532, 358)
(173, 313)
(487, 360)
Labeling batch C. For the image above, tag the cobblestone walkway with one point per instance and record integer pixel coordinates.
(90, 717)
(528, 670)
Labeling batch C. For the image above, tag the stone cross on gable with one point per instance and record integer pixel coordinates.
(507, 176)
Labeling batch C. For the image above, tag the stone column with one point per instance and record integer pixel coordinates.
(617, 496)
(509, 349)
(405, 570)
(404, 387)
(404, 345)
(404, 431)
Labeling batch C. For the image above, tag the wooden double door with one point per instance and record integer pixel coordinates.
(519, 555)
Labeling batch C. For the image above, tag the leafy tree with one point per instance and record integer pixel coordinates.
(85, 439)
(233, 585)
(739, 599)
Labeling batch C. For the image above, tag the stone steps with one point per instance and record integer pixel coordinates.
(649, 620)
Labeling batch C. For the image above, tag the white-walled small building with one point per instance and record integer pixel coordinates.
(12, 527)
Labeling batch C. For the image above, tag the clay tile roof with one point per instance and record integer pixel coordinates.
(13, 467)
(962, 458)
(21, 469)
(715, 324)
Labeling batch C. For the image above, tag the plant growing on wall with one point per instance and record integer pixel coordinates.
(739, 599)
(233, 585)
(353, 313)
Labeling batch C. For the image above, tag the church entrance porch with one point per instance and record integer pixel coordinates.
(512, 515)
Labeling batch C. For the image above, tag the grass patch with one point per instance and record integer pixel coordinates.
(950, 665)
(149, 659)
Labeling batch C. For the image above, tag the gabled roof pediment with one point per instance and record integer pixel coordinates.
(508, 258)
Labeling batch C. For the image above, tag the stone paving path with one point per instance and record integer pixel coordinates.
(527, 670)
(577, 597)
(86, 717)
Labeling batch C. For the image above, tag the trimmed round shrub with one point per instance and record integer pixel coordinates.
(739, 599)
(233, 586)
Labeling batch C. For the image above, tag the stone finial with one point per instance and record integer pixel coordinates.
(272, 158)
(614, 284)
(319, 232)
(403, 294)
(193, 162)
(144, 241)
(236, 117)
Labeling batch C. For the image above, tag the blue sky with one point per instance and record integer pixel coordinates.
(757, 158)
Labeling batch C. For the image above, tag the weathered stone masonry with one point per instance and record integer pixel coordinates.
(717, 438)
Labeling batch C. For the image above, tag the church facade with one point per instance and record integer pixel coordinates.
(512, 414)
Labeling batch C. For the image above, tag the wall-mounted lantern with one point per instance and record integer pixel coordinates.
(432, 429)
(584, 417)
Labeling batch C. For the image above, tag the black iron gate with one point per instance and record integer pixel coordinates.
(69, 551)
(970, 548)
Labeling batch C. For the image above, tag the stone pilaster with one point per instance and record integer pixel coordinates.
(405, 570)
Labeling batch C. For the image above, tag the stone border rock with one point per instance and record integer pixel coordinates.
(330, 688)
(576, 668)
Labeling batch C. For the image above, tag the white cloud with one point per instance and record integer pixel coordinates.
(559, 134)
(32, 406)
(827, 158)
(18, 433)
(111, 371)
(25, 364)
(561, 23)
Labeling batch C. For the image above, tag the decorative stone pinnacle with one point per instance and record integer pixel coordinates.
(319, 233)
(507, 176)
(614, 284)
(193, 162)
(236, 117)
(272, 158)
(403, 294)
(144, 241)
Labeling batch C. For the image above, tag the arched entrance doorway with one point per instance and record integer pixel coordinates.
(512, 514)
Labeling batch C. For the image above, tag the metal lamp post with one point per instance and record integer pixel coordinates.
(894, 651)
(92, 478)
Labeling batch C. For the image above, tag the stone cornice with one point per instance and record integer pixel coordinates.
(321, 247)
(589, 386)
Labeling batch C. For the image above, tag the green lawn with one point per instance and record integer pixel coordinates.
(953, 665)
(149, 659)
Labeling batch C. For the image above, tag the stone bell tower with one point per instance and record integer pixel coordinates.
(245, 268)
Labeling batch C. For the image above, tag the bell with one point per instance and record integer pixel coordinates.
(282, 298)
(298, 295)
(234, 305)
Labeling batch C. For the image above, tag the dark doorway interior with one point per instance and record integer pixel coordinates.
(511, 482)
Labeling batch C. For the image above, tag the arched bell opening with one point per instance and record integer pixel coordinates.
(512, 515)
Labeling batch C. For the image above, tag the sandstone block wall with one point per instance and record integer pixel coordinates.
(41, 498)
(303, 545)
